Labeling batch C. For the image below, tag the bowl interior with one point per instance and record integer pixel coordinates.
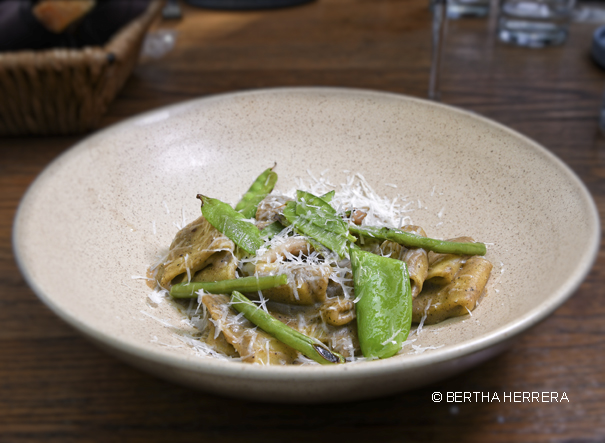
(99, 215)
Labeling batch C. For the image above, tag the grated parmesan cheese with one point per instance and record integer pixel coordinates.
(424, 316)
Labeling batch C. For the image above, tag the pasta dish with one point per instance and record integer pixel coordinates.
(315, 277)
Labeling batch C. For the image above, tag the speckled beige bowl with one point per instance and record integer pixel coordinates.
(99, 214)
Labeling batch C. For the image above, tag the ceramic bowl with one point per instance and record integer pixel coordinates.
(98, 216)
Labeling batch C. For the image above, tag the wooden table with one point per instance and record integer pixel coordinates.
(56, 387)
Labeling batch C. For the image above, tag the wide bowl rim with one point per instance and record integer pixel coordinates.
(362, 369)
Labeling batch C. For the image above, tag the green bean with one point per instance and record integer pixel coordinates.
(262, 186)
(310, 347)
(231, 223)
(384, 309)
(244, 284)
(410, 240)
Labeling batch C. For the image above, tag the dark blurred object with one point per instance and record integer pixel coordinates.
(597, 49)
(106, 19)
(172, 10)
(19, 28)
(59, 16)
(245, 4)
(67, 90)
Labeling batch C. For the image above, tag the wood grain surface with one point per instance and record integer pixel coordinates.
(56, 387)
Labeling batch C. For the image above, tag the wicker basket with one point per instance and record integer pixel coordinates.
(67, 91)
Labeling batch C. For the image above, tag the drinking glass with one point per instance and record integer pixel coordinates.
(535, 23)
(438, 9)
(467, 8)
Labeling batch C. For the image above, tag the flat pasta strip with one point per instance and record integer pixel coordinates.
(415, 258)
(191, 249)
(443, 267)
(219, 266)
(217, 341)
(337, 311)
(307, 284)
(308, 320)
(252, 344)
(457, 298)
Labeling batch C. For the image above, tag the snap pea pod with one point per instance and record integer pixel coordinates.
(415, 241)
(231, 223)
(262, 186)
(328, 196)
(289, 211)
(272, 230)
(316, 210)
(335, 242)
(244, 284)
(384, 309)
(288, 217)
(310, 347)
